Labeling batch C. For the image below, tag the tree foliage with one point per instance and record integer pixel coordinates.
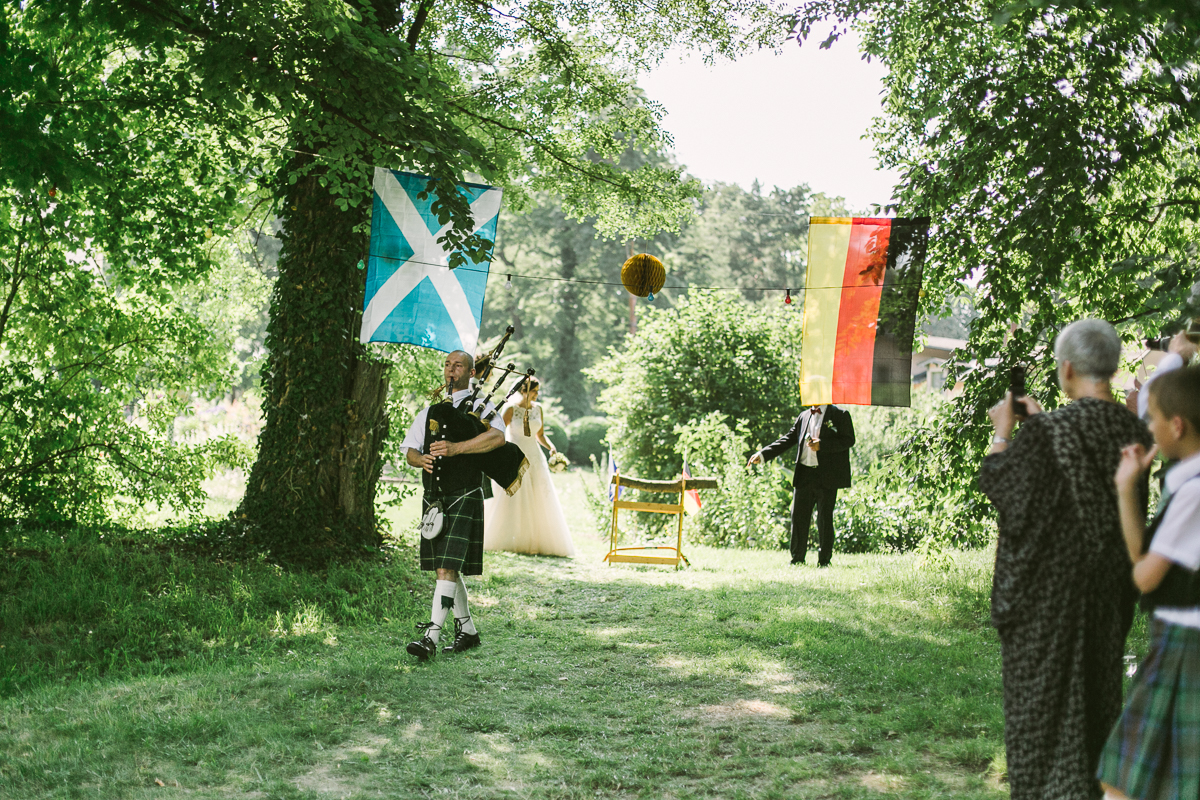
(156, 120)
(737, 238)
(108, 200)
(710, 353)
(1054, 147)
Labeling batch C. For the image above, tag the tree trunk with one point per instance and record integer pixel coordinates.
(310, 497)
(569, 385)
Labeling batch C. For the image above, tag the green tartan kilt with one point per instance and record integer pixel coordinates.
(460, 544)
(1154, 750)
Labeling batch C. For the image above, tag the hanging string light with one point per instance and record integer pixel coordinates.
(788, 300)
(508, 283)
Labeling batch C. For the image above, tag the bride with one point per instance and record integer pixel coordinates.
(531, 521)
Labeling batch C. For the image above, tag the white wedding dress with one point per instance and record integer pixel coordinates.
(531, 521)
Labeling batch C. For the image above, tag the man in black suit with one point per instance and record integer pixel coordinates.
(825, 435)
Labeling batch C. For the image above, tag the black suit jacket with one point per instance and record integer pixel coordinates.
(833, 459)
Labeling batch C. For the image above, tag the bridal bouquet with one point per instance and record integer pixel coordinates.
(557, 462)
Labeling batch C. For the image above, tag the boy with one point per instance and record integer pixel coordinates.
(1154, 750)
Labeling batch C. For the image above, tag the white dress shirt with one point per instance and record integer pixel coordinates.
(812, 430)
(1178, 536)
(415, 438)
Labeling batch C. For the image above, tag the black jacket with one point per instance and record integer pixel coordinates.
(833, 459)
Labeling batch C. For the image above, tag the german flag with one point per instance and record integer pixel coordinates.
(861, 290)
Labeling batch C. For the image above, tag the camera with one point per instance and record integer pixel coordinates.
(1016, 385)
(1161, 343)
(1164, 342)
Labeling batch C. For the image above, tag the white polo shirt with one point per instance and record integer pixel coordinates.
(415, 438)
(1178, 535)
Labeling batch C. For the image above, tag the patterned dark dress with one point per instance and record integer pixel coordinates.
(1062, 594)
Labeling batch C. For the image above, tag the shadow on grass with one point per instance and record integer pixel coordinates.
(735, 680)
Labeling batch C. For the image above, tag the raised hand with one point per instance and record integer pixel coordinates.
(1135, 460)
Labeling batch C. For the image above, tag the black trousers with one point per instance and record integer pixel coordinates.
(806, 496)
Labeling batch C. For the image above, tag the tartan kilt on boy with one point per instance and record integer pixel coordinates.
(460, 544)
(1154, 750)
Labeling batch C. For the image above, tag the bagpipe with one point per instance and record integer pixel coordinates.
(506, 464)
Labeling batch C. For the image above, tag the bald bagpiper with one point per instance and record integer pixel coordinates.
(454, 483)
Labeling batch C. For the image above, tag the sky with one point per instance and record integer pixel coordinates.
(784, 119)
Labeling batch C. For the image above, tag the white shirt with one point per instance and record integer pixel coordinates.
(1170, 362)
(415, 438)
(812, 430)
(1178, 535)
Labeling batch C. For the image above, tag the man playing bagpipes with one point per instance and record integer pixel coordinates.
(441, 441)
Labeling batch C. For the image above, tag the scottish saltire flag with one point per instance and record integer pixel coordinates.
(862, 286)
(412, 294)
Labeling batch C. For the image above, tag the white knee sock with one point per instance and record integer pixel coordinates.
(462, 612)
(443, 601)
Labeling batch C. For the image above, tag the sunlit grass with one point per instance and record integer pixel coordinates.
(739, 677)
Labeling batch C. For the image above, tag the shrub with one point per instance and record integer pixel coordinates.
(595, 494)
(751, 507)
(587, 439)
(710, 353)
(556, 432)
(870, 518)
(887, 511)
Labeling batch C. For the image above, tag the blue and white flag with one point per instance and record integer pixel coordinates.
(412, 294)
(613, 469)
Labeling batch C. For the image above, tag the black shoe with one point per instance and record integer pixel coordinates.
(463, 642)
(423, 648)
(823, 564)
(797, 562)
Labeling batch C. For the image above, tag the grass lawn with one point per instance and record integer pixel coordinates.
(741, 677)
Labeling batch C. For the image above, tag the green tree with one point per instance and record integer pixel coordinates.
(749, 239)
(566, 320)
(113, 200)
(1053, 146)
(711, 353)
(736, 238)
(536, 96)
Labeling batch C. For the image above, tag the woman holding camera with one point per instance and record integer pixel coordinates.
(1062, 598)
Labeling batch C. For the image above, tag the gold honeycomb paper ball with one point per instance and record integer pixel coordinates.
(643, 274)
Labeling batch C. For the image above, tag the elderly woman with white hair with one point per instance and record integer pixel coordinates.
(1062, 596)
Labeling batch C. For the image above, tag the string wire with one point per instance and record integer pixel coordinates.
(504, 272)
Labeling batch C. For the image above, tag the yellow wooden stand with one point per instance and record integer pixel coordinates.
(643, 554)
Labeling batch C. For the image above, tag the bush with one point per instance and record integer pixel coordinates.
(886, 511)
(710, 353)
(870, 518)
(595, 495)
(556, 432)
(751, 507)
(587, 439)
